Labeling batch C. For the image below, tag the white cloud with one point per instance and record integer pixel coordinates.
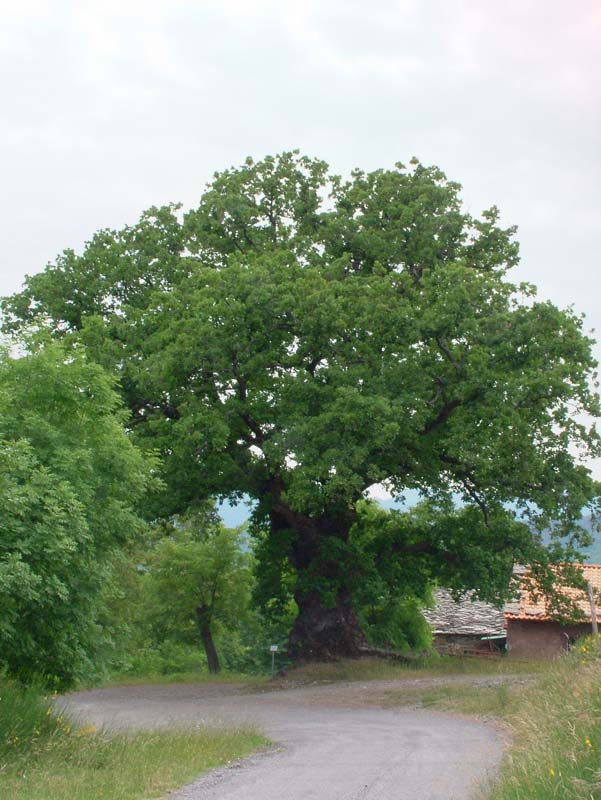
(113, 106)
(379, 492)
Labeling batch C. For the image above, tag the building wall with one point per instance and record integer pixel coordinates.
(530, 639)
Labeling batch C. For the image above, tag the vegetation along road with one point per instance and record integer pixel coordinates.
(332, 742)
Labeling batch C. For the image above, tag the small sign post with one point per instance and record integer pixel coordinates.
(274, 649)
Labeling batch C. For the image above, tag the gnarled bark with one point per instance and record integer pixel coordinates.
(322, 633)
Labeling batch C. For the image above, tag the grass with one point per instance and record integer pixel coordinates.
(44, 755)
(344, 670)
(366, 669)
(556, 730)
(126, 679)
(483, 701)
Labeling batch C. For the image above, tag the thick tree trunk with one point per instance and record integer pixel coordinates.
(204, 627)
(325, 634)
(322, 630)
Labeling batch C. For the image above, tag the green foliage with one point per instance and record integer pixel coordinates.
(396, 625)
(246, 649)
(450, 546)
(198, 565)
(152, 658)
(151, 598)
(70, 479)
(298, 338)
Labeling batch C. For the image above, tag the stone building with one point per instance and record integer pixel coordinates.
(459, 627)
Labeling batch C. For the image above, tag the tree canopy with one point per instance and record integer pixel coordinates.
(298, 337)
(70, 479)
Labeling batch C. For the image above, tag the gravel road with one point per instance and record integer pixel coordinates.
(332, 744)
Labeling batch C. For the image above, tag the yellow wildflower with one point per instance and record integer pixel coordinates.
(551, 772)
(88, 730)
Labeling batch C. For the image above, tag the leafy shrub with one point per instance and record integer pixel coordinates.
(168, 657)
(396, 624)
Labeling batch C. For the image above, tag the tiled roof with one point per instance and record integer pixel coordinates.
(527, 607)
(465, 617)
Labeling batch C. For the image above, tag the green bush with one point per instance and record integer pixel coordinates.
(247, 648)
(168, 657)
(71, 482)
(396, 624)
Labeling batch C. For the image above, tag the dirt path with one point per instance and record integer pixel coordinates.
(333, 744)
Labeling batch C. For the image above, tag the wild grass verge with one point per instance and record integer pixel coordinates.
(426, 666)
(556, 728)
(44, 755)
(126, 679)
(492, 700)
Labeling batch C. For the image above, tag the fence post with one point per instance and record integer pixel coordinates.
(591, 597)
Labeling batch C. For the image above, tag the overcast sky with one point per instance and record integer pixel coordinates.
(110, 107)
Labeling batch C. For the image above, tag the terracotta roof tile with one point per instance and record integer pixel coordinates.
(526, 607)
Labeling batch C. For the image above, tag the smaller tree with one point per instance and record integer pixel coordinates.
(200, 578)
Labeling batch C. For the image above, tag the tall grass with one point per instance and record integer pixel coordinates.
(557, 733)
(27, 722)
(45, 755)
(127, 679)
(493, 700)
(424, 666)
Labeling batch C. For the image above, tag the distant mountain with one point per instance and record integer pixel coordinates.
(592, 553)
(235, 515)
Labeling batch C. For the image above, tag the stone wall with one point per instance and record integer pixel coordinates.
(456, 644)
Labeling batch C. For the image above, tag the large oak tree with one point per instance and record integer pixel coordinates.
(297, 338)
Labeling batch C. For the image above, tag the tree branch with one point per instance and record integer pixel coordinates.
(447, 409)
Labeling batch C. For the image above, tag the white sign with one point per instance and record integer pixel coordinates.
(273, 648)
